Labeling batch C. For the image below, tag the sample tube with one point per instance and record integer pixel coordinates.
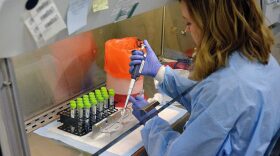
(80, 107)
(87, 114)
(111, 100)
(106, 103)
(73, 106)
(100, 106)
(93, 110)
(85, 100)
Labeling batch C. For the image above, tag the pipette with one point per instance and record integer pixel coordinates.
(135, 74)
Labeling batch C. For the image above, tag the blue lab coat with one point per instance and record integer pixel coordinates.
(234, 111)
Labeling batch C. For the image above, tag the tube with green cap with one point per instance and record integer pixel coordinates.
(106, 103)
(93, 109)
(85, 100)
(111, 99)
(100, 106)
(80, 107)
(87, 113)
(73, 106)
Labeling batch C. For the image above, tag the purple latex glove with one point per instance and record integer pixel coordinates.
(152, 63)
(137, 103)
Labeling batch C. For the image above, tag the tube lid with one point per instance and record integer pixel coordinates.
(93, 101)
(97, 91)
(106, 96)
(111, 92)
(79, 99)
(80, 105)
(85, 98)
(87, 105)
(91, 94)
(100, 99)
(103, 88)
(73, 104)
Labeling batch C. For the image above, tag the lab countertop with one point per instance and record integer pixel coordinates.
(41, 146)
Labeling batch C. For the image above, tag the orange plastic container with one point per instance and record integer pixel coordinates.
(117, 58)
(117, 53)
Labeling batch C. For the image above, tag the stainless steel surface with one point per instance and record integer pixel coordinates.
(44, 118)
(53, 74)
(41, 146)
(174, 41)
(12, 135)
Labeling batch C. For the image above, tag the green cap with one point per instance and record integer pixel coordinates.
(100, 99)
(85, 96)
(92, 97)
(87, 105)
(91, 94)
(98, 95)
(104, 92)
(86, 100)
(103, 88)
(80, 105)
(93, 101)
(106, 96)
(111, 92)
(79, 99)
(73, 104)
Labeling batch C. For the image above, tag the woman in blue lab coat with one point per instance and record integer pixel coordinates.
(235, 104)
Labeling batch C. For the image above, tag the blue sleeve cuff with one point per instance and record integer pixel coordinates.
(160, 75)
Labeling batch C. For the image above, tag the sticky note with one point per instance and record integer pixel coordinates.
(99, 5)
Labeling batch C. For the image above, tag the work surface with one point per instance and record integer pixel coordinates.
(44, 146)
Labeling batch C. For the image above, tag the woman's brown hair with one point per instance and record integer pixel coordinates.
(227, 26)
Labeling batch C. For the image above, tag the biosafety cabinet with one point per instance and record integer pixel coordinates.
(46, 61)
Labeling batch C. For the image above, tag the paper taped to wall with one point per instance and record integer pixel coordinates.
(98, 5)
(77, 15)
(44, 21)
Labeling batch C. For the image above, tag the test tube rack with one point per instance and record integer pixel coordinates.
(82, 126)
(79, 125)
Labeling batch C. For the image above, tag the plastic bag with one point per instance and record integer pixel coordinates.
(117, 54)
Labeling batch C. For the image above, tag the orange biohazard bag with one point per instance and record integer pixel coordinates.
(117, 56)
